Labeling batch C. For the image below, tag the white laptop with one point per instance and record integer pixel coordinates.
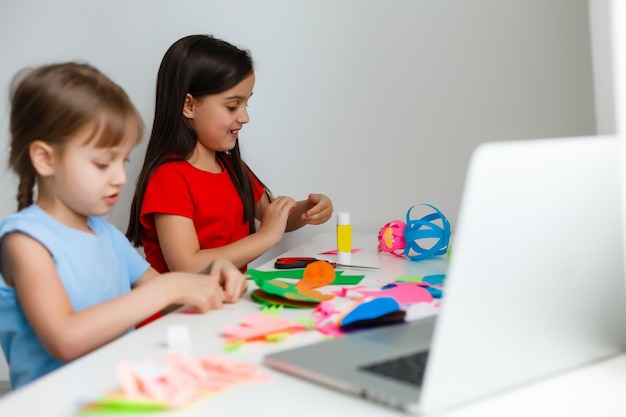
(535, 285)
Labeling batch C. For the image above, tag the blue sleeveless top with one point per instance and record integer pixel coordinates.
(92, 267)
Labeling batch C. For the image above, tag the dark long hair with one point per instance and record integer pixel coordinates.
(198, 65)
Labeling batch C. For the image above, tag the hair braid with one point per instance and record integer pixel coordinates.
(25, 191)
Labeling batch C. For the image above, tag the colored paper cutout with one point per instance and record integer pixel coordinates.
(393, 317)
(405, 293)
(361, 314)
(371, 312)
(331, 329)
(261, 326)
(340, 277)
(410, 279)
(267, 299)
(316, 274)
(435, 292)
(323, 312)
(335, 251)
(436, 279)
(291, 292)
(178, 381)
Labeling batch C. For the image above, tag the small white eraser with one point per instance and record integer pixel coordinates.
(177, 336)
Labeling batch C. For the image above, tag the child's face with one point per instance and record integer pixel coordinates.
(87, 180)
(218, 118)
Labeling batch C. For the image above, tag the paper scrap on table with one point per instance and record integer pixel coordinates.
(267, 299)
(405, 293)
(436, 279)
(340, 277)
(335, 252)
(374, 312)
(335, 321)
(178, 381)
(292, 292)
(316, 274)
(260, 326)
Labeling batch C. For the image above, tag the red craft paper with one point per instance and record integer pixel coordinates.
(334, 252)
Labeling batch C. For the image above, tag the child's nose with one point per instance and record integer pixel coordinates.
(243, 116)
(119, 175)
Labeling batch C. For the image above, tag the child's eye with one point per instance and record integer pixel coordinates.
(101, 165)
(232, 108)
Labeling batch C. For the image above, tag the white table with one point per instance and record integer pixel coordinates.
(598, 390)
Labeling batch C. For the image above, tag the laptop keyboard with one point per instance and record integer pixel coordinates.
(409, 369)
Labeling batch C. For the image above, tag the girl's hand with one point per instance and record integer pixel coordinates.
(200, 293)
(275, 216)
(320, 210)
(229, 278)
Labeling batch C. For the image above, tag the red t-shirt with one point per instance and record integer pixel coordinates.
(209, 199)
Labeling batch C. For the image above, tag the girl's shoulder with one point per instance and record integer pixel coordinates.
(172, 173)
(34, 221)
(39, 225)
(31, 216)
(174, 166)
(176, 171)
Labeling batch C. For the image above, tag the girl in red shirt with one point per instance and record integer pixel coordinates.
(195, 199)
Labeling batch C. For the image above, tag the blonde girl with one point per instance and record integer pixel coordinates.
(71, 282)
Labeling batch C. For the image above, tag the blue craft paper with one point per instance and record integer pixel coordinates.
(434, 279)
(424, 228)
(435, 292)
(370, 310)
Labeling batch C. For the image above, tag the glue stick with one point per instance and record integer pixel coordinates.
(344, 238)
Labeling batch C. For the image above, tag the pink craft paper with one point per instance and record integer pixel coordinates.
(391, 237)
(405, 293)
(331, 329)
(180, 380)
(258, 326)
(334, 252)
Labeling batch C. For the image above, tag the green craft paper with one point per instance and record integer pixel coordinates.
(266, 299)
(290, 291)
(435, 279)
(340, 278)
(347, 279)
(266, 275)
(410, 279)
(117, 405)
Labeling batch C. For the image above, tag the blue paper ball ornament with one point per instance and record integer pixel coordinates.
(428, 236)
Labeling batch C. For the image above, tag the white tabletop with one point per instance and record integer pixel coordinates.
(594, 390)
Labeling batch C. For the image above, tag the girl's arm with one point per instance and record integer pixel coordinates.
(233, 283)
(181, 249)
(69, 334)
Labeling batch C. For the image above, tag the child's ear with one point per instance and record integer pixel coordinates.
(188, 106)
(42, 155)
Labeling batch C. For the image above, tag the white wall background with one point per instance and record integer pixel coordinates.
(377, 104)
